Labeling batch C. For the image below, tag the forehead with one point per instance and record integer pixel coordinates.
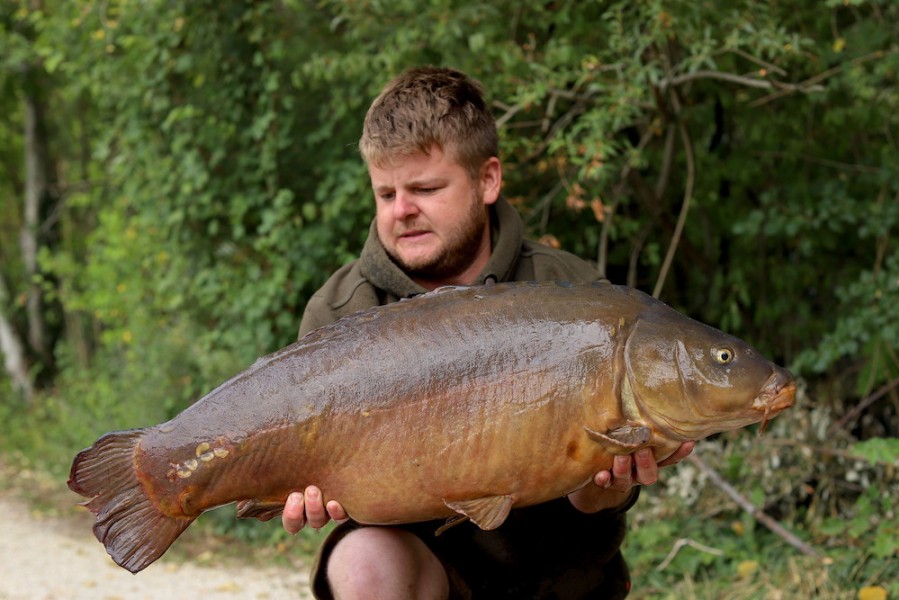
(411, 168)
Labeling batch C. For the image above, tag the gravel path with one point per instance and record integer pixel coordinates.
(52, 555)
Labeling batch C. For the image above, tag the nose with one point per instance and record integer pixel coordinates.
(404, 206)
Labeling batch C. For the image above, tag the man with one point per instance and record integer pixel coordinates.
(431, 147)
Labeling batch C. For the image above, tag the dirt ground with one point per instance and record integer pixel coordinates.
(49, 553)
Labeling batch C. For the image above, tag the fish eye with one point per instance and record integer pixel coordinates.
(723, 356)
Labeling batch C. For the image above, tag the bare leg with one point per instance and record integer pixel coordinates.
(385, 563)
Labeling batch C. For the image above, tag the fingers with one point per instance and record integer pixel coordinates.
(620, 478)
(646, 466)
(603, 479)
(294, 516)
(307, 508)
(681, 453)
(639, 468)
(336, 511)
(316, 517)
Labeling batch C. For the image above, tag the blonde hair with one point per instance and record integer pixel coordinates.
(426, 107)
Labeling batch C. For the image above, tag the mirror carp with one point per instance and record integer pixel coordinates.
(461, 403)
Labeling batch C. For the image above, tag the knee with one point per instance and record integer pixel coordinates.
(383, 562)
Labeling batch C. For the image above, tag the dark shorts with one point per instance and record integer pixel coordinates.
(550, 551)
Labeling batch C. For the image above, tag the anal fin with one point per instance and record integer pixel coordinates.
(487, 513)
(259, 508)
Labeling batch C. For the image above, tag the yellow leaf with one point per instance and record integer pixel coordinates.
(550, 240)
(599, 209)
(747, 568)
(839, 44)
(872, 592)
(574, 203)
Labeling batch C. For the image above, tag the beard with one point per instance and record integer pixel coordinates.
(461, 249)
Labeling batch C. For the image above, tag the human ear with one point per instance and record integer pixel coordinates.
(491, 179)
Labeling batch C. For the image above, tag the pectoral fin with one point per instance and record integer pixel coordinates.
(487, 513)
(622, 440)
(259, 508)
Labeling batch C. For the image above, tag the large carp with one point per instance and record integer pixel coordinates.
(464, 401)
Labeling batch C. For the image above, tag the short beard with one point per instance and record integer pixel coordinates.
(461, 250)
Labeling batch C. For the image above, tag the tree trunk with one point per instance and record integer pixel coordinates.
(35, 193)
(14, 360)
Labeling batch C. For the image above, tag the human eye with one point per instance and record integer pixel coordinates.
(427, 190)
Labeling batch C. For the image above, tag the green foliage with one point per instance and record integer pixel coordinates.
(685, 541)
(878, 450)
(208, 182)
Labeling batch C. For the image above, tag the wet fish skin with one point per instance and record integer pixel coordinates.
(462, 401)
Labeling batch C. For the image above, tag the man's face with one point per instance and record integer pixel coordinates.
(432, 219)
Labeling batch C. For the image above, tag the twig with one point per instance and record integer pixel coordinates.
(667, 160)
(637, 244)
(812, 81)
(602, 252)
(753, 510)
(764, 84)
(852, 168)
(687, 542)
(758, 61)
(863, 404)
(510, 112)
(688, 194)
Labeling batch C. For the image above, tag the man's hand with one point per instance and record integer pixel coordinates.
(306, 508)
(612, 487)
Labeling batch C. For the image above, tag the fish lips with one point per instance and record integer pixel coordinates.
(777, 395)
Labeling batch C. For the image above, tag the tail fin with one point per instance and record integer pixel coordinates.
(134, 531)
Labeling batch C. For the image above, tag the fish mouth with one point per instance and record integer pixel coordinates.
(778, 394)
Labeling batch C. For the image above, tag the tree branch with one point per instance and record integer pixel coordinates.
(680, 543)
(815, 79)
(753, 510)
(754, 59)
(688, 195)
(765, 84)
(862, 405)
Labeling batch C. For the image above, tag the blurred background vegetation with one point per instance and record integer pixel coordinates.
(177, 177)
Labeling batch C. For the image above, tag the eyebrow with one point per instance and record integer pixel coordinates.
(435, 181)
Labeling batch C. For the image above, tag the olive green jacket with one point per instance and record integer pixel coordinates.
(374, 279)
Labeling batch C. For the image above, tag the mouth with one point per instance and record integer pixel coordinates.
(777, 395)
(412, 235)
